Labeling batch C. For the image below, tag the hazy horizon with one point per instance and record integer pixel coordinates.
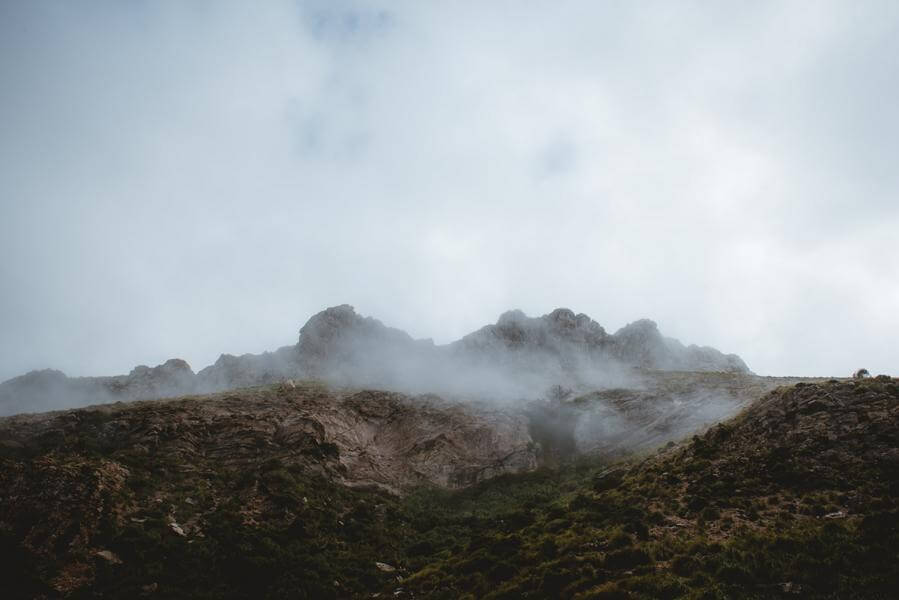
(191, 179)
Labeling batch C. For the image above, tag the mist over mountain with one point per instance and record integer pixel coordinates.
(517, 357)
(183, 179)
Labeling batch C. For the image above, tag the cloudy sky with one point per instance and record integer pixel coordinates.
(191, 178)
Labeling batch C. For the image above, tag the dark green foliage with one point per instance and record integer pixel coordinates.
(626, 558)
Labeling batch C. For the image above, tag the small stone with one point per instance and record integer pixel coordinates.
(109, 557)
(791, 587)
(149, 588)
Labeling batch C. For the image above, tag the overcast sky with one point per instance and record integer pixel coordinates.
(186, 179)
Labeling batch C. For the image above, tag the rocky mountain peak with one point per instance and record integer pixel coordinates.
(642, 329)
(516, 357)
(338, 339)
(337, 323)
(171, 367)
(515, 330)
(564, 319)
(330, 322)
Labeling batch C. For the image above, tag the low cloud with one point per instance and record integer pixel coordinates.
(188, 179)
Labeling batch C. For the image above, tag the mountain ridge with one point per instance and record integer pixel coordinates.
(518, 356)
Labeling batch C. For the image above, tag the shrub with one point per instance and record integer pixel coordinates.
(626, 558)
(606, 591)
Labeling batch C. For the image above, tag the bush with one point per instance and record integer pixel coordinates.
(684, 565)
(626, 558)
(606, 591)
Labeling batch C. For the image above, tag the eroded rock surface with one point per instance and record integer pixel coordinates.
(355, 437)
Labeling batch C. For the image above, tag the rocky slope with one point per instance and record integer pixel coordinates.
(289, 490)
(66, 476)
(796, 497)
(518, 357)
(352, 437)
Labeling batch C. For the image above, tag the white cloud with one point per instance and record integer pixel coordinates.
(195, 179)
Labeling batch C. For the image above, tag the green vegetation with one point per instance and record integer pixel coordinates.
(789, 498)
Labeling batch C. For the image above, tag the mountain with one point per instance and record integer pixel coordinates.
(533, 458)
(50, 389)
(518, 357)
(303, 490)
(572, 344)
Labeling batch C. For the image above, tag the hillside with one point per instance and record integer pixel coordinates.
(309, 492)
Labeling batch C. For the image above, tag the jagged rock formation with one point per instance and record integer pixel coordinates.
(38, 391)
(518, 357)
(339, 345)
(576, 344)
(49, 389)
(640, 343)
(174, 376)
(232, 372)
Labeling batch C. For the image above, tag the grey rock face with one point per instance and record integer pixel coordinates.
(231, 372)
(385, 439)
(174, 376)
(339, 345)
(44, 390)
(557, 332)
(641, 344)
(577, 342)
(518, 356)
(33, 392)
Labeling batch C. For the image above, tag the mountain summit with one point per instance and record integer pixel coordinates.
(517, 357)
(573, 338)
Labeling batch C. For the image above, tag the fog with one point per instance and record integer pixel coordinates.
(188, 179)
(517, 360)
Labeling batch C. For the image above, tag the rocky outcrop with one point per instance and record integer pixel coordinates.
(561, 332)
(232, 372)
(268, 457)
(517, 357)
(355, 437)
(564, 347)
(48, 389)
(575, 340)
(641, 344)
(173, 377)
(341, 346)
(37, 391)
